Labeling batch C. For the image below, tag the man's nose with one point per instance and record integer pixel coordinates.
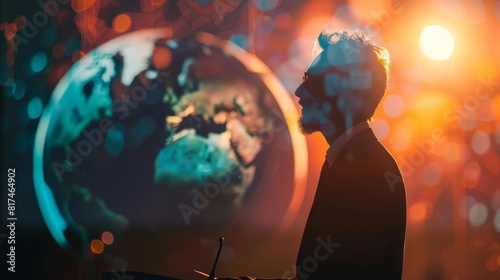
(301, 92)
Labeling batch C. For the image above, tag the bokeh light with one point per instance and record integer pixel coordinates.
(35, 108)
(122, 23)
(431, 174)
(437, 42)
(97, 246)
(380, 128)
(480, 142)
(419, 211)
(162, 57)
(18, 89)
(38, 62)
(283, 20)
(107, 238)
(471, 174)
(114, 143)
(452, 152)
(394, 105)
(478, 214)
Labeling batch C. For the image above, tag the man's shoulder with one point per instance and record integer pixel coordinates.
(365, 147)
(365, 158)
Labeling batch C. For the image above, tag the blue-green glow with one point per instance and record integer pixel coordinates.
(38, 62)
(18, 89)
(114, 143)
(50, 36)
(4, 124)
(71, 46)
(51, 215)
(35, 108)
(143, 127)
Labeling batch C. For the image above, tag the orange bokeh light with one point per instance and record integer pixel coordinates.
(418, 211)
(96, 246)
(493, 263)
(122, 23)
(162, 57)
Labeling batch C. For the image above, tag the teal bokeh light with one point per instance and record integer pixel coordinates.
(35, 108)
(38, 62)
(114, 143)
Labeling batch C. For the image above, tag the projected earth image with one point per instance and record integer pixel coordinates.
(150, 133)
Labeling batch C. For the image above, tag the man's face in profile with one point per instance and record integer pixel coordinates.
(317, 109)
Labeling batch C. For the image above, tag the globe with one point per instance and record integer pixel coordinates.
(154, 133)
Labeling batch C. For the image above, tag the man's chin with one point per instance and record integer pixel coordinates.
(307, 128)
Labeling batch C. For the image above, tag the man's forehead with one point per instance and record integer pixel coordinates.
(340, 55)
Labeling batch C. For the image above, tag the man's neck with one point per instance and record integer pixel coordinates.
(341, 129)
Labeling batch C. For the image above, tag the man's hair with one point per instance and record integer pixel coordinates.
(356, 45)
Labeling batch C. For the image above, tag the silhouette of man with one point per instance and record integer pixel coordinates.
(356, 225)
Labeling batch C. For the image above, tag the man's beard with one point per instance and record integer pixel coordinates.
(308, 128)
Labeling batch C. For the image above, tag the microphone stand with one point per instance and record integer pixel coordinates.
(212, 273)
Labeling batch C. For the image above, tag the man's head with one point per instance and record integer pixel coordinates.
(344, 83)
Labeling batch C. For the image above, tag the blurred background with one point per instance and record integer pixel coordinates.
(439, 119)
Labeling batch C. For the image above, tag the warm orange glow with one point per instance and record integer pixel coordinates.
(58, 50)
(96, 246)
(10, 31)
(471, 174)
(379, 12)
(283, 21)
(157, 2)
(400, 135)
(107, 238)
(429, 110)
(493, 263)
(162, 57)
(122, 23)
(81, 5)
(177, 263)
(452, 152)
(418, 211)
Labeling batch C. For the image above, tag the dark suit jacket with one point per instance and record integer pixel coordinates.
(356, 227)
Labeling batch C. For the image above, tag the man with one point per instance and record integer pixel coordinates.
(356, 226)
